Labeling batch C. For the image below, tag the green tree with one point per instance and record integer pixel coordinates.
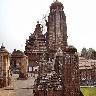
(84, 52)
(89, 53)
(93, 56)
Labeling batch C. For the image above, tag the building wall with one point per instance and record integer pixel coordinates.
(87, 69)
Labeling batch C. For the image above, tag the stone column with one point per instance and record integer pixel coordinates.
(23, 74)
(5, 64)
(71, 72)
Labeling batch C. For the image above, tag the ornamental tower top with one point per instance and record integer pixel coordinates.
(56, 5)
(56, 28)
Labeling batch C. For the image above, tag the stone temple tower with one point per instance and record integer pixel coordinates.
(63, 79)
(56, 28)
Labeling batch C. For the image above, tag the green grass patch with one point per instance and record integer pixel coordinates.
(88, 91)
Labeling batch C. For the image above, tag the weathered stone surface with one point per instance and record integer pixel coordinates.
(4, 67)
(18, 87)
(19, 61)
(35, 46)
(62, 78)
(56, 28)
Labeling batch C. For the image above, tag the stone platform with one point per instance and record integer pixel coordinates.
(19, 87)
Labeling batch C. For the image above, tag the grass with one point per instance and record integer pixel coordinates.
(88, 91)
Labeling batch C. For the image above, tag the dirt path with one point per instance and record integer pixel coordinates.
(18, 87)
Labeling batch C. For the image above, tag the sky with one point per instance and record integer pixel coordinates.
(18, 19)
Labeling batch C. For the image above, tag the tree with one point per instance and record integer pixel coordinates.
(89, 53)
(93, 56)
(84, 52)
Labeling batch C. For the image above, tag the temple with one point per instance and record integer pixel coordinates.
(55, 67)
(35, 46)
(58, 73)
(56, 34)
(19, 64)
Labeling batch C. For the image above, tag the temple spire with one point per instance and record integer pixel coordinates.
(55, 0)
(2, 46)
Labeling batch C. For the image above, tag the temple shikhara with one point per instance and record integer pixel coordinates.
(36, 46)
(56, 35)
(58, 73)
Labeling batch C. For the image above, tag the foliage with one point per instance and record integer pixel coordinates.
(84, 52)
(88, 53)
(94, 55)
(89, 91)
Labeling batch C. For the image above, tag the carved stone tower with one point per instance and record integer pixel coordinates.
(56, 28)
(63, 80)
(35, 46)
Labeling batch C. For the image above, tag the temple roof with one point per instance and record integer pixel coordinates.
(37, 35)
(17, 53)
(3, 50)
(38, 28)
(86, 63)
(71, 49)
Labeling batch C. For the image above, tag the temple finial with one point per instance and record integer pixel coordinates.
(2, 46)
(37, 22)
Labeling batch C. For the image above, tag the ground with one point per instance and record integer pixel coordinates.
(25, 88)
(19, 87)
(89, 91)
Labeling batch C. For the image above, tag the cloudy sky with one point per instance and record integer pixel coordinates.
(18, 19)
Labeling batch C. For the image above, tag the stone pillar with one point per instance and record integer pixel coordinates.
(71, 72)
(4, 67)
(23, 74)
(58, 61)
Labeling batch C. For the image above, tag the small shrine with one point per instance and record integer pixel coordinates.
(19, 63)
